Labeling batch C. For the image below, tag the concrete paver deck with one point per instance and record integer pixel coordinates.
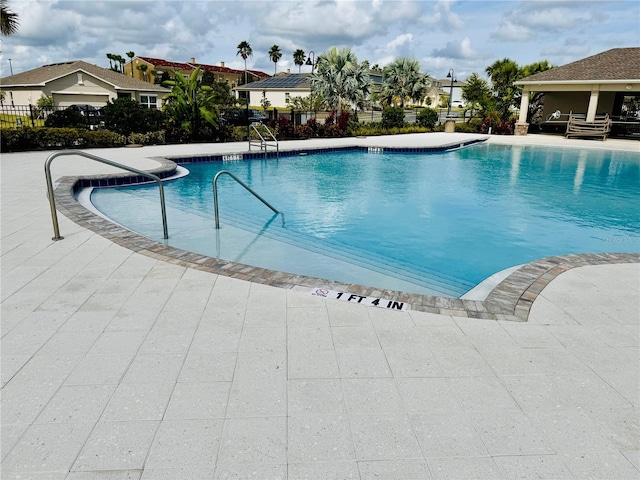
(116, 365)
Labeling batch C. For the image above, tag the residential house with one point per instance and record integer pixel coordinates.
(155, 67)
(77, 82)
(278, 90)
(605, 83)
(447, 87)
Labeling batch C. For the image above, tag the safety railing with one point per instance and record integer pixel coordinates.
(262, 142)
(249, 189)
(52, 200)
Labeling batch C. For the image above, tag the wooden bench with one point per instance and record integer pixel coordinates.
(577, 126)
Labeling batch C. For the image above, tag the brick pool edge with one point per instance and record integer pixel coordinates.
(510, 300)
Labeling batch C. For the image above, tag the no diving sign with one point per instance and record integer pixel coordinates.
(354, 298)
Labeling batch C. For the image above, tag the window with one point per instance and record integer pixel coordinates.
(149, 101)
(80, 82)
(287, 98)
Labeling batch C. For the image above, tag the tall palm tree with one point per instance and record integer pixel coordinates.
(403, 81)
(340, 79)
(131, 55)
(298, 58)
(110, 57)
(245, 51)
(275, 54)
(8, 20)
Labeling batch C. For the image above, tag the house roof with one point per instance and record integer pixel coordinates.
(617, 64)
(287, 82)
(42, 75)
(161, 63)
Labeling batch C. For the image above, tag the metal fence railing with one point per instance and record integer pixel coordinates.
(15, 116)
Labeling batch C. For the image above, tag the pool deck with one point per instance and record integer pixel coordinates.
(118, 364)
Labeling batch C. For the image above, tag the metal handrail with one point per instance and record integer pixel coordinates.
(263, 142)
(249, 189)
(52, 200)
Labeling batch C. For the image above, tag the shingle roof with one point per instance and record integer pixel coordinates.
(614, 64)
(47, 73)
(293, 80)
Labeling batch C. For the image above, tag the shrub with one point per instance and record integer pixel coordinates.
(125, 116)
(65, 119)
(303, 131)
(393, 117)
(103, 138)
(427, 117)
(149, 138)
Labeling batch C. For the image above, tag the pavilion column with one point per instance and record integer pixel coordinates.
(593, 103)
(522, 126)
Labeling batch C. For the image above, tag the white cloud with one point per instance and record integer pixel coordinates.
(456, 49)
(441, 17)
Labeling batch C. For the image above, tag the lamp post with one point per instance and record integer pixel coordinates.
(453, 79)
(312, 54)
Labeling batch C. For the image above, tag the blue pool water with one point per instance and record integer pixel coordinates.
(424, 223)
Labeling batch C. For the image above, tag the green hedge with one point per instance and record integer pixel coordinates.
(39, 138)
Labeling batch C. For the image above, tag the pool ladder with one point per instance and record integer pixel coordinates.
(263, 142)
(52, 199)
(247, 187)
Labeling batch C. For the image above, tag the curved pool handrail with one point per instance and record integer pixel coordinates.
(52, 200)
(249, 189)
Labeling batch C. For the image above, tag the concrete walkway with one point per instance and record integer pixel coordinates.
(118, 366)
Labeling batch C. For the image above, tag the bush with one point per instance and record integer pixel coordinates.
(65, 119)
(150, 138)
(497, 126)
(125, 116)
(393, 117)
(103, 138)
(427, 117)
(303, 131)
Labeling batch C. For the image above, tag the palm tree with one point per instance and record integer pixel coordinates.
(8, 20)
(110, 57)
(298, 58)
(340, 79)
(403, 81)
(190, 103)
(131, 55)
(275, 54)
(503, 73)
(245, 51)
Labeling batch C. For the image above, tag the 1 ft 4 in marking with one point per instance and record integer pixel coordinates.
(361, 299)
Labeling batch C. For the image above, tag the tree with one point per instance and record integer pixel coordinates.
(503, 73)
(403, 81)
(477, 94)
(8, 20)
(123, 116)
(190, 103)
(110, 57)
(245, 51)
(298, 58)
(340, 79)
(131, 55)
(275, 54)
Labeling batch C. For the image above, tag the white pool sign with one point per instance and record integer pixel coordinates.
(360, 299)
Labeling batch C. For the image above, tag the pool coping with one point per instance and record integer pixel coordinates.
(510, 300)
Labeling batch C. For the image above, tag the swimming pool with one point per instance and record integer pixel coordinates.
(424, 223)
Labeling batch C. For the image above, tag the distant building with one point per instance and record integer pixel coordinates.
(156, 67)
(78, 82)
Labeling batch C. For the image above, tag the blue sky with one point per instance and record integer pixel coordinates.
(464, 35)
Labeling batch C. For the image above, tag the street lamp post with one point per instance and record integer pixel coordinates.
(311, 62)
(453, 79)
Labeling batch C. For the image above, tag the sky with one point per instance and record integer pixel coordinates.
(465, 36)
